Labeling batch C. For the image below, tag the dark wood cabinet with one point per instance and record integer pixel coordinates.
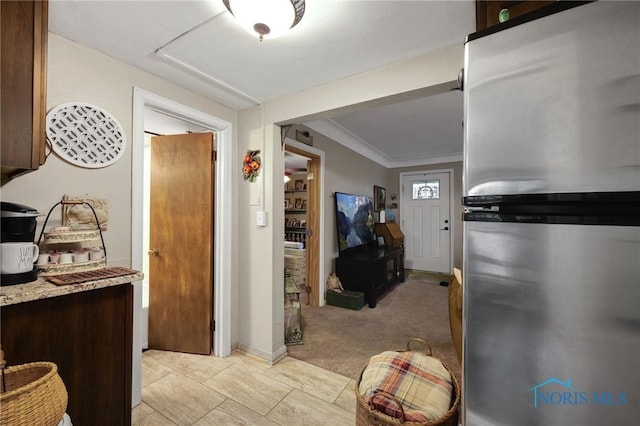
(89, 336)
(24, 31)
(371, 271)
(487, 12)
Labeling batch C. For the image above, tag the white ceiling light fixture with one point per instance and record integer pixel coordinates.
(266, 18)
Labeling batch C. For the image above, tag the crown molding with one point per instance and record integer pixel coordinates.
(339, 134)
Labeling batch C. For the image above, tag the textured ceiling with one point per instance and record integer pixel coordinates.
(197, 45)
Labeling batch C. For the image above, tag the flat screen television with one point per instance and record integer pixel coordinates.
(354, 221)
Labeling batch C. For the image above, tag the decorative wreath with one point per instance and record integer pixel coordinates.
(251, 165)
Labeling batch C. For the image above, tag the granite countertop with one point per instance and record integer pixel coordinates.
(43, 289)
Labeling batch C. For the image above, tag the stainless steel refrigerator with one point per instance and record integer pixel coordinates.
(551, 272)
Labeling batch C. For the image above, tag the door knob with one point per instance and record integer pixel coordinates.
(446, 228)
(153, 252)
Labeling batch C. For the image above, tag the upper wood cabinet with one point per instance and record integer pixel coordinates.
(487, 12)
(24, 31)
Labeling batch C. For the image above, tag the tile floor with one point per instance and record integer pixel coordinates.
(185, 389)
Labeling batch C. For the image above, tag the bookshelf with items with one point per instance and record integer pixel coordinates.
(295, 209)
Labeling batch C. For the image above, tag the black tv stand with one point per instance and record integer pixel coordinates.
(372, 270)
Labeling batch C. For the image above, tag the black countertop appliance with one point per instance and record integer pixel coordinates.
(18, 224)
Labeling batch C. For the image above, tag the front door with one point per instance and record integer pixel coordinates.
(426, 221)
(181, 243)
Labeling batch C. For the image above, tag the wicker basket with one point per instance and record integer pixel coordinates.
(368, 416)
(35, 395)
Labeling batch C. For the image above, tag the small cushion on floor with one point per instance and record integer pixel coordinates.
(421, 383)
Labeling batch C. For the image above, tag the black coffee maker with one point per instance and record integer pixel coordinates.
(18, 224)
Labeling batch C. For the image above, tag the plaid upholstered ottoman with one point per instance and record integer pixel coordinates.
(408, 387)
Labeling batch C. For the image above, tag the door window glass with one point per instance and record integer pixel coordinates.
(427, 190)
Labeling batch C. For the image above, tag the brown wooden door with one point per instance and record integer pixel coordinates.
(181, 243)
(313, 223)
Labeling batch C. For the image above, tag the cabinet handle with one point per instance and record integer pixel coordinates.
(446, 228)
(153, 252)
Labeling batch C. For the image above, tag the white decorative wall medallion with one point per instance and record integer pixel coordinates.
(85, 135)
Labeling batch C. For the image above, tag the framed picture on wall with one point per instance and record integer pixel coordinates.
(379, 198)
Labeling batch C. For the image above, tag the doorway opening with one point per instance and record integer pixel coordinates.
(313, 182)
(425, 211)
(223, 224)
(158, 124)
(295, 221)
(180, 254)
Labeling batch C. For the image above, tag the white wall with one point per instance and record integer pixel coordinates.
(260, 296)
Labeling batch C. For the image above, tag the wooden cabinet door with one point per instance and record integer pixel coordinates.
(24, 27)
(487, 11)
(88, 335)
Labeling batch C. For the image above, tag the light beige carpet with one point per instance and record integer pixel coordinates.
(342, 340)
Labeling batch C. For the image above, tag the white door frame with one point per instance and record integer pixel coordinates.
(223, 211)
(451, 211)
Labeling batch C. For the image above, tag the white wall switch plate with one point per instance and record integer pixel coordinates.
(261, 218)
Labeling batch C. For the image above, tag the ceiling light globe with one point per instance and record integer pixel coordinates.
(266, 18)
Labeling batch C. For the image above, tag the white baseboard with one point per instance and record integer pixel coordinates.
(271, 358)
